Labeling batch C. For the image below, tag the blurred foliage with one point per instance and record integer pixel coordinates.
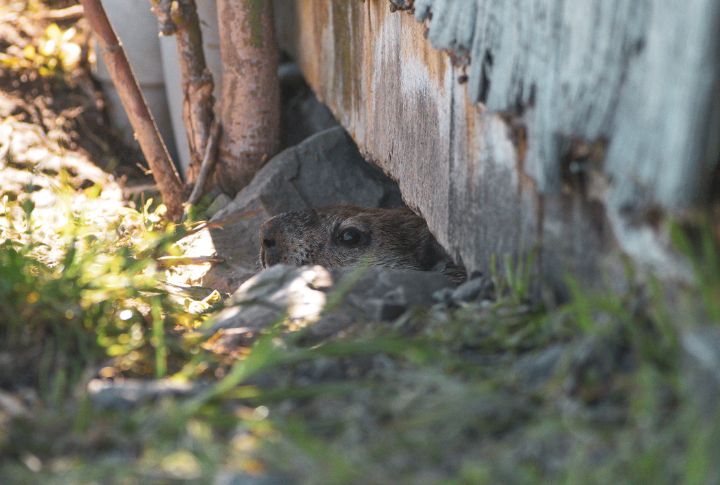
(504, 391)
(54, 52)
(98, 296)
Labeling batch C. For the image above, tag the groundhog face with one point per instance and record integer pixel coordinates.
(347, 236)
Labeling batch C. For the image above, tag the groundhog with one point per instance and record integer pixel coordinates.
(348, 236)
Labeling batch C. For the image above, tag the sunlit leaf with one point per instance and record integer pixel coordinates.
(48, 47)
(70, 54)
(29, 52)
(68, 34)
(53, 31)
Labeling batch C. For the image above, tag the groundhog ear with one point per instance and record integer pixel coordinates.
(431, 254)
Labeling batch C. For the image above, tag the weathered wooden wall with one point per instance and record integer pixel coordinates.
(578, 124)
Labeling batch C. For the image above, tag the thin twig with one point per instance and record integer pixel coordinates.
(163, 11)
(194, 292)
(168, 261)
(220, 224)
(181, 19)
(61, 14)
(208, 162)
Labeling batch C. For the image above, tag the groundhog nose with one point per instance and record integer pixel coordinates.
(269, 252)
(268, 243)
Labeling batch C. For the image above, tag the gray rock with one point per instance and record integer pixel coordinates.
(280, 293)
(444, 296)
(219, 203)
(325, 169)
(235, 478)
(12, 405)
(479, 288)
(702, 348)
(475, 289)
(534, 370)
(323, 302)
(701, 367)
(127, 393)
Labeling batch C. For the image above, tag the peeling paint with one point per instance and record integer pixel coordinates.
(644, 70)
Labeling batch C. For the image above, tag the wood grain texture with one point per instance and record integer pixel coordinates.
(576, 121)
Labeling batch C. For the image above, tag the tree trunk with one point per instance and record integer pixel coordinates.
(250, 101)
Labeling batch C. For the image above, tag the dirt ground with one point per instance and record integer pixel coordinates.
(52, 117)
(66, 105)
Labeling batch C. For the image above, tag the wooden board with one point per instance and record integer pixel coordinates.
(578, 122)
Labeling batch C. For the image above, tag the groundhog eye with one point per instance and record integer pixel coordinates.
(349, 237)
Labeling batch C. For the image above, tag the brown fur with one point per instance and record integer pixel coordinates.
(394, 238)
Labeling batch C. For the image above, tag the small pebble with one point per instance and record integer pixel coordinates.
(219, 203)
(474, 289)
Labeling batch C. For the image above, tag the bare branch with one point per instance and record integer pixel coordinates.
(180, 17)
(151, 144)
(73, 12)
(208, 163)
(162, 10)
(170, 261)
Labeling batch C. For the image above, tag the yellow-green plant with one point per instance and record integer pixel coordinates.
(56, 51)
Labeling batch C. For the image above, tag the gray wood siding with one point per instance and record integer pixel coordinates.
(579, 119)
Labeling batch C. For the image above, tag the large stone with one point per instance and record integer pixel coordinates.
(129, 393)
(701, 368)
(325, 169)
(320, 301)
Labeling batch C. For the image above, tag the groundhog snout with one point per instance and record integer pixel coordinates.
(270, 244)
